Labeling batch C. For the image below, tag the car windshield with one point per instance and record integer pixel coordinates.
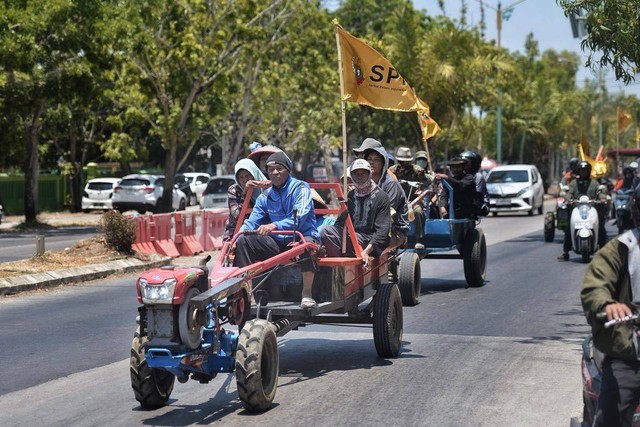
(133, 182)
(219, 185)
(100, 186)
(499, 177)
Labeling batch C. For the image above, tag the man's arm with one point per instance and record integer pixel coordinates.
(602, 280)
(259, 215)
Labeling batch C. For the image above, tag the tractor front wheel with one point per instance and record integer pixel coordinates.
(257, 365)
(151, 387)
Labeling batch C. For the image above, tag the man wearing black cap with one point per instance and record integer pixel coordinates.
(287, 205)
(464, 188)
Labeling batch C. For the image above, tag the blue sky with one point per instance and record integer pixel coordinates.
(544, 18)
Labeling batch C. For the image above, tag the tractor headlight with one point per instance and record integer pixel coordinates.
(157, 293)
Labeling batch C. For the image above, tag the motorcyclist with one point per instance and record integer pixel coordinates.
(464, 188)
(473, 167)
(406, 170)
(628, 180)
(612, 284)
(584, 185)
(571, 171)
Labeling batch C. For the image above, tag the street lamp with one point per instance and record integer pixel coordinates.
(500, 13)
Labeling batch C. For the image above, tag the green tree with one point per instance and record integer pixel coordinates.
(613, 27)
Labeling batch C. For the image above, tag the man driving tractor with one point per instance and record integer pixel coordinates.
(287, 205)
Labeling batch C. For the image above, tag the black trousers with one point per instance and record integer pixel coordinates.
(252, 248)
(332, 241)
(619, 392)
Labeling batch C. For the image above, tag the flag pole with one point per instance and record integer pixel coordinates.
(426, 149)
(618, 169)
(344, 134)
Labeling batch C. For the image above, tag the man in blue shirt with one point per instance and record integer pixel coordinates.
(287, 205)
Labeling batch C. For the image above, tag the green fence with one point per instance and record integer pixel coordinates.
(52, 191)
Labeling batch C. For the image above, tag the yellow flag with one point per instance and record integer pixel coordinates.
(623, 119)
(369, 79)
(428, 126)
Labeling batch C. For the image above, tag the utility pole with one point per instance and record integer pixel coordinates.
(499, 107)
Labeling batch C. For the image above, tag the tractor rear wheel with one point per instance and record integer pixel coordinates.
(409, 280)
(257, 365)
(474, 258)
(151, 387)
(387, 320)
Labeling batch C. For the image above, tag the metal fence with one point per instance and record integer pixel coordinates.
(52, 192)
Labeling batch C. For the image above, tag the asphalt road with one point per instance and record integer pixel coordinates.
(505, 354)
(15, 245)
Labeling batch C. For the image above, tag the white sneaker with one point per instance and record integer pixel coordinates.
(308, 302)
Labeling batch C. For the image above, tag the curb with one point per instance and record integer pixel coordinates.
(29, 282)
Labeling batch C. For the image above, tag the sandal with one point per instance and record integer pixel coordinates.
(308, 302)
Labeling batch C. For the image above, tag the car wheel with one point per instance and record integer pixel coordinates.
(541, 207)
(183, 205)
(494, 213)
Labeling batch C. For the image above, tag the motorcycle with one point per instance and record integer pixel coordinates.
(623, 213)
(592, 375)
(557, 219)
(584, 226)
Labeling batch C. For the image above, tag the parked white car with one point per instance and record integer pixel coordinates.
(515, 188)
(215, 195)
(198, 182)
(141, 193)
(98, 194)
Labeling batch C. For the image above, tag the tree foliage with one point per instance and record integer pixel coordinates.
(613, 28)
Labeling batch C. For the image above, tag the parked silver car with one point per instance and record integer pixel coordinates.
(215, 195)
(515, 188)
(98, 194)
(141, 193)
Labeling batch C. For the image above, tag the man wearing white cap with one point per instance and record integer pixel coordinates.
(370, 211)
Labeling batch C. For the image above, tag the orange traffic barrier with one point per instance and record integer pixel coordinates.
(213, 221)
(161, 235)
(143, 242)
(186, 241)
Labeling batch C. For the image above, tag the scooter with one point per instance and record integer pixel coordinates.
(584, 225)
(623, 214)
(592, 374)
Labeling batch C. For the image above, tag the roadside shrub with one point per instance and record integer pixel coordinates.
(119, 231)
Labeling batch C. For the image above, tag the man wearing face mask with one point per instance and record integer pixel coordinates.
(369, 209)
(288, 198)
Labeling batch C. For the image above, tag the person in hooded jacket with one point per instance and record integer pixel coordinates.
(369, 209)
(372, 151)
(246, 171)
(612, 285)
(287, 205)
(482, 194)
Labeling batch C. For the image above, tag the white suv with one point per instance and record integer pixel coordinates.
(142, 192)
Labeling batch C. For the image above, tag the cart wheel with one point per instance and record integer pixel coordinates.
(387, 320)
(475, 257)
(190, 333)
(549, 227)
(151, 387)
(409, 281)
(257, 365)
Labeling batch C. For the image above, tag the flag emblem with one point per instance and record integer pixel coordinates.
(357, 69)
